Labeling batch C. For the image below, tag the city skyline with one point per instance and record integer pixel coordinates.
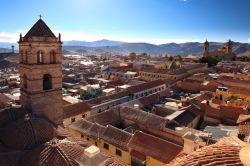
(141, 21)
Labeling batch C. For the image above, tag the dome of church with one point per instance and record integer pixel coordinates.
(54, 152)
(27, 133)
(225, 152)
(10, 114)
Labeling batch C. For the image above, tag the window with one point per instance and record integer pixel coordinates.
(106, 146)
(118, 152)
(73, 120)
(95, 143)
(83, 115)
(82, 136)
(39, 57)
(52, 57)
(87, 138)
(25, 81)
(47, 82)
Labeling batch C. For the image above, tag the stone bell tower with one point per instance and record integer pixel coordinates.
(206, 48)
(40, 65)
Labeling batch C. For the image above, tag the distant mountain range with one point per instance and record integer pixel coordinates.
(119, 47)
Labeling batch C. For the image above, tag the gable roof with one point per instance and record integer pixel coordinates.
(145, 118)
(117, 137)
(39, 29)
(105, 118)
(145, 86)
(152, 146)
(75, 109)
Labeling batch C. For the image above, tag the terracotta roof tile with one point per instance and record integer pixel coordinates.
(112, 161)
(26, 133)
(104, 118)
(54, 152)
(88, 128)
(225, 152)
(140, 117)
(75, 109)
(117, 137)
(157, 148)
(145, 86)
(10, 114)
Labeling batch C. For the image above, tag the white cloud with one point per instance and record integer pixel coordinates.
(83, 36)
(248, 40)
(8, 37)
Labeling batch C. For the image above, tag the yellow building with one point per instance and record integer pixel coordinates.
(74, 112)
(109, 139)
(233, 96)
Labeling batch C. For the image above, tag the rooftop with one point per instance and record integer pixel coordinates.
(157, 148)
(39, 29)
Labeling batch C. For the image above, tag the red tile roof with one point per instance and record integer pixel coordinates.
(75, 109)
(54, 152)
(154, 147)
(219, 154)
(117, 137)
(104, 118)
(140, 117)
(26, 133)
(145, 86)
(10, 114)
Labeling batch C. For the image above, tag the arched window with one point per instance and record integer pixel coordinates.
(25, 85)
(52, 57)
(47, 82)
(39, 57)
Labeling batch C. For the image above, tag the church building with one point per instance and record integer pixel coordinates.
(222, 53)
(40, 62)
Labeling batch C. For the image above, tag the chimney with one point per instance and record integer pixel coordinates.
(189, 143)
(91, 151)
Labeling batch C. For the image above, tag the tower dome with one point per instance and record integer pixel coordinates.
(54, 152)
(10, 114)
(27, 133)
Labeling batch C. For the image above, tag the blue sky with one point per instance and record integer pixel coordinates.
(153, 21)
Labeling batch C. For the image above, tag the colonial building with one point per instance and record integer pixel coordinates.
(41, 72)
(222, 53)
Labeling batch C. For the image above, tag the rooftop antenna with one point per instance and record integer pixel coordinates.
(40, 16)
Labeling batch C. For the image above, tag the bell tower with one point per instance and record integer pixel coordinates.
(230, 47)
(206, 48)
(40, 67)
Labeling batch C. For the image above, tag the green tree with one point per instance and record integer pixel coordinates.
(209, 60)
